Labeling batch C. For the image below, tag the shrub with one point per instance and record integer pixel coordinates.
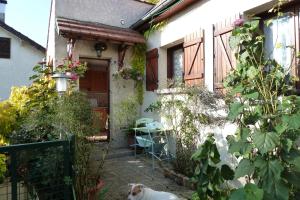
(7, 121)
(209, 175)
(3, 168)
(186, 112)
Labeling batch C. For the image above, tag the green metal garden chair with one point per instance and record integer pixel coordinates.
(153, 139)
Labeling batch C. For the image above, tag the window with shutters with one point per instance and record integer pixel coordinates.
(282, 39)
(194, 58)
(186, 61)
(175, 63)
(224, 58)
(152, 70)
(4, 47)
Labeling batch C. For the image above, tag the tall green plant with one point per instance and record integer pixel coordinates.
(267, 115)
(209, 175)
(186, 119)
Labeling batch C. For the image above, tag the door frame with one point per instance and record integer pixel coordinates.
(108, 83)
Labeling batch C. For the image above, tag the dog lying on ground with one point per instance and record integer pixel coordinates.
(140, 192)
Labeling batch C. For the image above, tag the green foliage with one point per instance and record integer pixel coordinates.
(39, 115)
(185, 119)
(3, 168)
(7, 120)
(74, 114)
(249, 192)
(138, 63)
(156, 27)
(209, 175)
(127, 112)
(267, 114)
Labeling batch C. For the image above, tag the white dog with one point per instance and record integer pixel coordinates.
(140, 192)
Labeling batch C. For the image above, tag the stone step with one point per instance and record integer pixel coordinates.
(119, 152)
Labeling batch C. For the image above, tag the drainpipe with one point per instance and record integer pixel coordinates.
(2, 10)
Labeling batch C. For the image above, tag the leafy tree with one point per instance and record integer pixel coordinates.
(263, 106)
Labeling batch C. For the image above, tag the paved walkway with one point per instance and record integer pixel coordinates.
(120, 171)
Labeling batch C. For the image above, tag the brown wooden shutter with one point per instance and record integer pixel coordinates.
(152, 70)
(194, 58)
(4, 47)
(224, 59)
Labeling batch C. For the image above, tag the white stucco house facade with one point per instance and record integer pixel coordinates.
(18, 55)
(195, 42)
(195, 37)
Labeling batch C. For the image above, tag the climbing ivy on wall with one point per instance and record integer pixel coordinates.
(138, 62)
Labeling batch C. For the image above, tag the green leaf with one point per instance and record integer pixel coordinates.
(238, 194)
(252, 72)
(278, 190)
(292, 120)
(254, 24)
(253, 95)
(242, 147)
(292, 178)
(197, 170)
(280, 128)
(287, 144)
(253, 192)
(296, 163)
(266, 141)
(269, 171)
(268, 22)
(245, 167)
(235, 109)
(234, 41)
(227, 173)
(249, 192)
(237, 89)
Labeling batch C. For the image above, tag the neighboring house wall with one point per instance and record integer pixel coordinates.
(119, 13)
(202, 15)
(16, 70)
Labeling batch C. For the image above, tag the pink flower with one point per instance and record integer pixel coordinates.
(74, 77)
(239, 22)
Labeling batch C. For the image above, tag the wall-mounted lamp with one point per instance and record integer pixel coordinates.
(99, 47)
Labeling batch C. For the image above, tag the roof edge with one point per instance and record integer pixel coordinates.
(170, 9)
(22, 37)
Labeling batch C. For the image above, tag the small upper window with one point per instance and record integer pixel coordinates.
(4, 47)
(175, 63)
(280, 42)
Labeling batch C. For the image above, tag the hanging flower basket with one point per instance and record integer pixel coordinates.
(129, 73)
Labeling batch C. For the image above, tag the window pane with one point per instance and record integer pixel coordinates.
(4, 47)
(279, 37)
(178, 65)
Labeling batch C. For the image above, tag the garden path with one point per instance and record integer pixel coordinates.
(119, 171)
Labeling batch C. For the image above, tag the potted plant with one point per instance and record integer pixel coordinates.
(127, 113)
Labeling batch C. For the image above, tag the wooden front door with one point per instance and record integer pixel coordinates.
(95, 84)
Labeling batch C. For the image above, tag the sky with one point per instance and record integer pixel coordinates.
(30, 17)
